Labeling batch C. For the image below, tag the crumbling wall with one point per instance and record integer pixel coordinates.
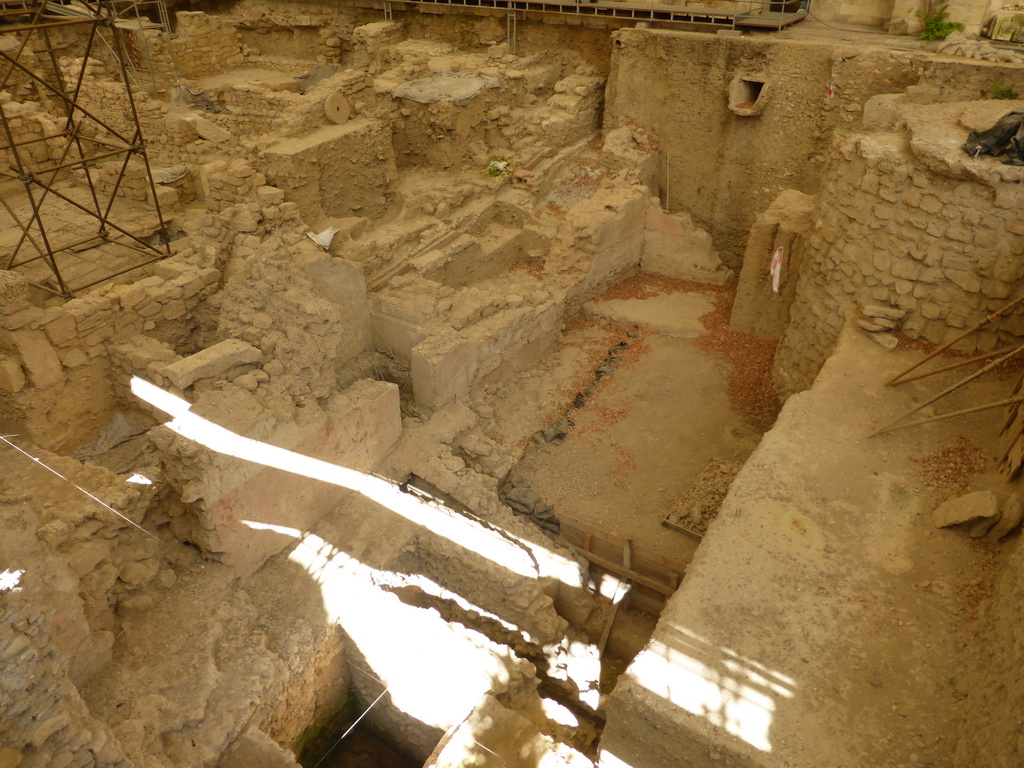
(301, 306)
(73, 571)
(336, 170)
(901, 16)
(28, 122)
(45, 720)
(931, 234)
(721, 167)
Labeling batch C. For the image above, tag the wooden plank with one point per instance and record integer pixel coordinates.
(625, 573)
(677, 527)
(613, 553)
(639, 553)
(647, 604)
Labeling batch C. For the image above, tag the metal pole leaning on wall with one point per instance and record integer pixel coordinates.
(988, 319)
(980, 372)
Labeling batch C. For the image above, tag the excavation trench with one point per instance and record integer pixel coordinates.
(465, 351)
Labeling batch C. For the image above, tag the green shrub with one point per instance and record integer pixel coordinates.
(998, 89)
(936, 27)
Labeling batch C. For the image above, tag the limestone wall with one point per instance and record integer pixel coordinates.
(900, 16)
(45, 720)
(926, 233)
(48, 355)
(205, 44)
(721, 167)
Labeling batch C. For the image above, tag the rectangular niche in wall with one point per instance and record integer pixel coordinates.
(748, 95)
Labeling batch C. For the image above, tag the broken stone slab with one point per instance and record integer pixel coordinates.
(981, 527)
(120, 429)
(12, 378)
(208, 130)
(886, 341)
(887, 313)
(211, 361)
(458, 87)
(1013, 513)
(963, 509)
(871, 327)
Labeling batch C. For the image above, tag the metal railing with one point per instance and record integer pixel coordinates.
(762, 14)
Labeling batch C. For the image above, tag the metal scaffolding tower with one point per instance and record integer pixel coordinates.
(82, 139)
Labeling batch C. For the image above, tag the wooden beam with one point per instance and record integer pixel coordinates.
(626, 573)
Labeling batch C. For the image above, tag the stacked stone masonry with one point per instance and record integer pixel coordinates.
(945, 251)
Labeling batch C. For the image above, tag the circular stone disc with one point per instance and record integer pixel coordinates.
(336, 108)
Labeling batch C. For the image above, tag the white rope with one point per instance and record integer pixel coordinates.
(58, 474)
(350, 729)
(371, 675)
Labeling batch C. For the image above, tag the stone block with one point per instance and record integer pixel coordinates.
(37, 356)
(336, 446)
(59, 327)
(269, 196)
(211, 361)
(336, 170)
(675, 247)
(21, 318)
(963, 509)
(12, 378)
(14, 289)
(881, 113)
(444, 368)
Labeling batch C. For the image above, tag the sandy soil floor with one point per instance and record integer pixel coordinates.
(651, 426)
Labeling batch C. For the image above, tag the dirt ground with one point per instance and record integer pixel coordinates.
(652, 425)
(881, 609)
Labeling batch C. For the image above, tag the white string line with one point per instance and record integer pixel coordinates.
(350, 728)
(58, 474)
(370, 674)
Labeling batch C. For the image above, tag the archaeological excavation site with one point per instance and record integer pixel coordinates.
(511, 384)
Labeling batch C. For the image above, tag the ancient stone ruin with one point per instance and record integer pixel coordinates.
(510, 384)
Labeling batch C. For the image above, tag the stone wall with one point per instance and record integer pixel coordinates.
(725, 168)
(336, 170)
(900, 16)
(48, 354)
(931, 234)
(205, 44)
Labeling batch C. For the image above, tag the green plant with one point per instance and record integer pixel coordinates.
(936, 26)
(497, 166)
(998, 89)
